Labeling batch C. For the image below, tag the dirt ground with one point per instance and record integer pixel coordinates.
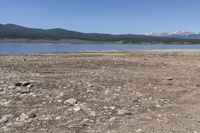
(101, 92)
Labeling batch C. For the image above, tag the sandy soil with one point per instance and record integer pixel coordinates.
(101, 92)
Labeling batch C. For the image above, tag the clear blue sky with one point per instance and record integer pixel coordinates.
(104, 16)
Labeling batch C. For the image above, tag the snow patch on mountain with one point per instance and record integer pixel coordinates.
(177, 33)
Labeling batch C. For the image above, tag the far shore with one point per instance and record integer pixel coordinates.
(75, 41)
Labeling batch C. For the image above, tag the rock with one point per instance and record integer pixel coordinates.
(22, 117)
(18, 84)
(112, 107)
(170, 78)
(11, 87)
(24, 90)
(138, 131)
(59, 101)
(158, 106)
(4, 119)
(112, 119)
(30, 86)
(5, 103)
(107, 92)
(71, 101)
(76, 108)
(32, 113)
(1, 89)
(123, 112)
(58, 118)
(8, 116)
(92, 113)
(26, 84)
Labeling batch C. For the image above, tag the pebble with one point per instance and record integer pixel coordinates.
(22, 117)
(12, 87)
(26, 84)
(138, 130)
(76, 108)
(5, 102)
(93, 113)
(25, 91)
(158, 106)
(18, 84)
(123, 112)
(4, 119)
(107, 92)
(112, 119)
(71, 101)
(58, 118)
(112, 107)
(170, 78)
(32, 113)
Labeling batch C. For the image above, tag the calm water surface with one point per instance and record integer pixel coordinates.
(54, 48)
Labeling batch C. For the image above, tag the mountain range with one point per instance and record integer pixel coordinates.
(11, 33)
(178, 34)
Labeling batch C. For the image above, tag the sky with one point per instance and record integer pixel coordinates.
(104, 16)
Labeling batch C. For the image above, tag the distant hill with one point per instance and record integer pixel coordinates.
(178, 34)
(15, 33)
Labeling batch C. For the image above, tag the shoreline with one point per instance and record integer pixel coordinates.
(101, 51)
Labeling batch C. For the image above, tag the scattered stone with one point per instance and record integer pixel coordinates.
(138, 130)
(4, 119)
(76, 108)
(123, 112)
(58, 118)
(22, 117)
(32, 113)
(1, 89)
(71, 101)
(18, 84)
(107, 92)
(12, 87)
(5, 103)
(25, 91)
(112, 119)
(112, 107)
(158, 106)
(26, 84)
(29, 86)
(92, 113)
(170, 78)
(59, 101)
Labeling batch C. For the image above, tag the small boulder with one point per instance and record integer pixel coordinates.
(170, 78)
(26, 84)
(23, 117)
(71, 101)
(4, 119)
(32, 113)
(123, 112)
(18, 84)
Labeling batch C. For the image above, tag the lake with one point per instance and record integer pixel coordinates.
(54, 48)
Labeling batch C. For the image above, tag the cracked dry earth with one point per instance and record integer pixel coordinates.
(101, 92)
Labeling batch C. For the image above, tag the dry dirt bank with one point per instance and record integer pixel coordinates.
(101, 92)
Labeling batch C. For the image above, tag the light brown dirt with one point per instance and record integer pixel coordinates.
(115, 92)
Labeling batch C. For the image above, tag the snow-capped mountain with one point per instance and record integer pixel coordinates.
(177, 34)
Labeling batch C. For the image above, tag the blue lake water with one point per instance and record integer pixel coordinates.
(54, 48)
